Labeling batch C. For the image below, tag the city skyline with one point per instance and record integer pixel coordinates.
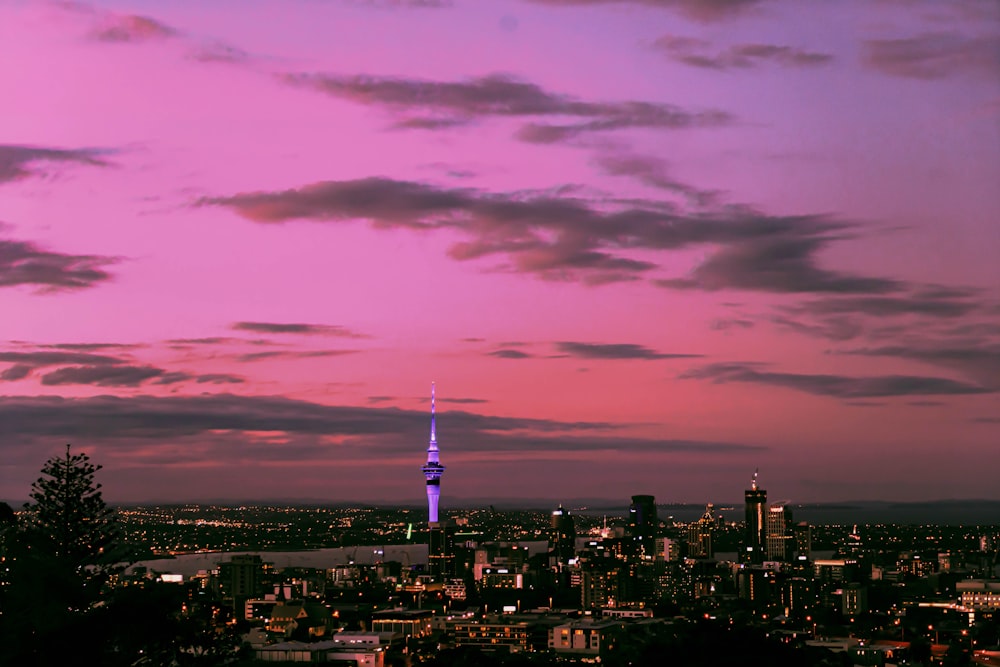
(641, 246)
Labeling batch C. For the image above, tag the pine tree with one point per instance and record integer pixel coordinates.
(69, 514)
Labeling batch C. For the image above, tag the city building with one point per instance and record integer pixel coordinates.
(753, 541)
(779, 537)
(979, 594)
(241, 578)
(585, 638)
(643, 528)
(699, 534)
(563, 536)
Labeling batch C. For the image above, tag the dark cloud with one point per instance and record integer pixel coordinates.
(616, 351)
(931, 301)
(839, 386)
(154, 420)
(132, 28)
(90, 346)
(731, 323)
(175, 377)
(217, 52)
(291, 354)
(102, 376)
(700, 53)
(779, 264)
(980, 361)
(699, 10)
(16, 372)
(18, 162)
(297, 328)
(653, 172)
(831, 328)
(219, 378)
(935, 55)
(986, 420)
(24, 263)
(39, 359)
(443, 104)
(510, 354)
(565, 238)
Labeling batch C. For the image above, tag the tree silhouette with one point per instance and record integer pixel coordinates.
(69, 515)
(59, 555)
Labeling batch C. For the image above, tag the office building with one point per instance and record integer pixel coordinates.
(643, 528)
(753, 540)
(779, 540)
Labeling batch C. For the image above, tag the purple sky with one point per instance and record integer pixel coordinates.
(642, 246)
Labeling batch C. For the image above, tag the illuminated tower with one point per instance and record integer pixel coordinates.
(756, 499)
(433, 470)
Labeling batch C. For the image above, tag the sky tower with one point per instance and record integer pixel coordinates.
(433, 470)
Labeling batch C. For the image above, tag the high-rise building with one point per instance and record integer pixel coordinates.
(779, 537)
(753, 542)
(563, 536)
(643, 527)
(803, 540)
(700, 533)
(433, 469)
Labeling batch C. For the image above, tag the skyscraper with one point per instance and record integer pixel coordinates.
(433, 469)
(780, 540)
(700, 532)
(563, 536)
(643, 527)
(753, 543)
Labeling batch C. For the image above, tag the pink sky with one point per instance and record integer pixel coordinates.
(641, 246)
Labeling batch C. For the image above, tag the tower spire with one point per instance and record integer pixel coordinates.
(433, 444)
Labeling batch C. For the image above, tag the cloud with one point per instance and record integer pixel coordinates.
(616, 351)
(19, 161)
(163, 421)
(935, 55)
(704, 11)
(838, 386)
(699, 53)
(132, 28)
(79, 366)
(932, 301)
(16, 372)
(510, 354)
(298, 329)
(291, 354)
(445, 104)
(218, 52)
(653, 172)
(564, 238)
(978, 361)
(102, 376)
(39, 359)
(731, 323)
(24, 263)
(779, 264)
